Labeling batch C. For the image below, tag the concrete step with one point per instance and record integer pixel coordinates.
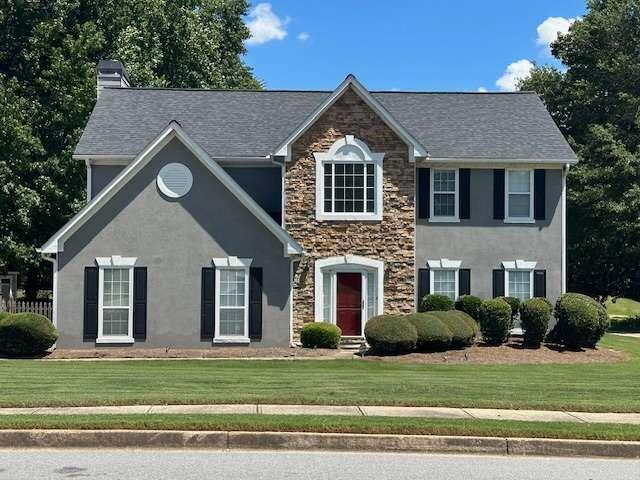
(351, 343)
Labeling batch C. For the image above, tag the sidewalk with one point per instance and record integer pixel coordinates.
(351, 410)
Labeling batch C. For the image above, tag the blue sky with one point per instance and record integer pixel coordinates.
(431, 45)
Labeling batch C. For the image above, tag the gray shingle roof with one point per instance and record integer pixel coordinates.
(253, 123)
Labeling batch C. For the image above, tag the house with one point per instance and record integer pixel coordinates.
(234, 217)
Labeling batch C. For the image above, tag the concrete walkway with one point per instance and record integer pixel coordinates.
(353, 410)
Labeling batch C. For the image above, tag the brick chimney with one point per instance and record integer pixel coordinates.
(111, 73)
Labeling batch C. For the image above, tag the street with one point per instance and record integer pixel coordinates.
(240, 465)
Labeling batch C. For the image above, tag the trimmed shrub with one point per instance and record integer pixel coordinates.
(470, 305)
(391, 334)
(495, 321)
(462, 327)
(534, 318)
(514, 304)
(320, 335)
(581, 320)
(4, 315)
(26, 334)
(433, 335)
(435, 302)
(627, 325)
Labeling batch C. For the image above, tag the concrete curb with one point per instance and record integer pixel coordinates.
(314, 441)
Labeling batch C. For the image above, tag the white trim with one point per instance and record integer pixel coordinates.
(168, 191)
(444, 263)
(416, 148)
(432, 279)
(456, 216)
(291, 282)
(54, 302)
(105, 263)
(56, 243)
(519, 265)
(507, 293)
(89, 180)
(105, 159)
(232, 263)
(493, 160)
(347, 263)
(336, 154)
(563, 272)
(507, 218)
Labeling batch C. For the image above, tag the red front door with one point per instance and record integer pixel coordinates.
(349, 303)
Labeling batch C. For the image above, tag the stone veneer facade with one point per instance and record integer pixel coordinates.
(391, 240)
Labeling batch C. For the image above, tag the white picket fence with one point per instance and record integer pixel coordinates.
(42, 307)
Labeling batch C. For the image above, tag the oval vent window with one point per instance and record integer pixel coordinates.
(175, 180)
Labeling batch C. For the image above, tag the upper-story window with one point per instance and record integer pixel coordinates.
(444, 195)
(349, 182)
(519, 195)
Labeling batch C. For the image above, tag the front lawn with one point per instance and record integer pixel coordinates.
(623, 307)
(584, 386)
(328, 424)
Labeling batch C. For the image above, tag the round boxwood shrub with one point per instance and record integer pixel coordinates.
(581, 320)
(534, 318)
(460, 325)
(495, 321)
(390, 334)
(469, 304)
(514, 304)
(433, 335)
(436, 302)
(26, 334)
(320, 335)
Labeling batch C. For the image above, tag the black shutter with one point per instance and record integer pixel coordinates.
(540, 283)
(423, 285)
(498, 194)
(90, 329)
(255, 303)
(207, 307)
(498, 283)
(140, 303)
(539, 194)
(464, 281)
(424, 192)
(464, 207)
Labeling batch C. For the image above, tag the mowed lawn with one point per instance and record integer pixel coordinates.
(623, 307)
(584, 387)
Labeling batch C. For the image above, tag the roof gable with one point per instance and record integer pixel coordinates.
(56, 243)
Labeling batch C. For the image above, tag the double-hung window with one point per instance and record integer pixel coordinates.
(348, 182)
(519, 196)
(232, 300)
(115, 299)
(519, 284)
(444, 195)
(443, 277)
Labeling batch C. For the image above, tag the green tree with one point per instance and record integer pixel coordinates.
(595, 100)
(48, 53)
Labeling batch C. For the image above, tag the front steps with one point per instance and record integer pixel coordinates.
(352, 343)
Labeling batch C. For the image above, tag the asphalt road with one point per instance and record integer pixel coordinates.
(255, 465)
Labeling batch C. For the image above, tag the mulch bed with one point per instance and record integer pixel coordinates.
(512, 352)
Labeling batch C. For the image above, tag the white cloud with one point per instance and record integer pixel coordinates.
(482, 90)
(549, 29)
(265, 25)
(303, 36)
(516, 71)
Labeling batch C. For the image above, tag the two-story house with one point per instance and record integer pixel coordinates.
(234, 217)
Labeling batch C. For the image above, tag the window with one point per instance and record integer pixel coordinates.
(445, 283)
(348, 182)
(520, 284)
(372, 295)
(115, 299)
(444, 195)
(519, 196)
(232, 300)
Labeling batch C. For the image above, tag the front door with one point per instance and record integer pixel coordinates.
(349, 303)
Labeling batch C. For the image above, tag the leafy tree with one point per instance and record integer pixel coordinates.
(48, 53)
(596, 103)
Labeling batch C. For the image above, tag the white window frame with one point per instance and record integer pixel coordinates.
(507, 218)
(114, 262)
(456, 192)
(349, 150)
(518, 266)
(448, 265)
(232, 263)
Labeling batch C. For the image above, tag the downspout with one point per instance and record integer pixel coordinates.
(88, 163)
(54, 305)
(565, 170)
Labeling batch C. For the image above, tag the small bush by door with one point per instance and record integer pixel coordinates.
(320, 335)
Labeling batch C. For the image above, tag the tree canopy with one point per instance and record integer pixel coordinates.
(595, 100)
(48, 53)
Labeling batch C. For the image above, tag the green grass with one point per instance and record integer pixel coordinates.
(328, 424)
(584, 387)
(623, 307)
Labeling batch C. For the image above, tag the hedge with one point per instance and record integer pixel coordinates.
(320, 335)
(436, 302)
(534, 318)
(469, 304)
(26, 334)
(514, 304)
(627, 325)
(391, 334)
(582, 321)
(495, 321)
(433, 335)
(462, 327)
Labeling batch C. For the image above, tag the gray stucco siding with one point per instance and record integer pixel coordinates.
(482, 243)
(174, 239)
(101, 175)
